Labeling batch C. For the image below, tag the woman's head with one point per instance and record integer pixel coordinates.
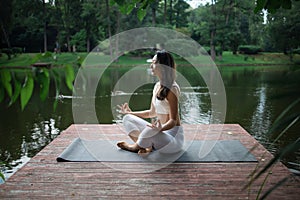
(164, 67)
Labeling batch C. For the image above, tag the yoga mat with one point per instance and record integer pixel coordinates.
(195, 151)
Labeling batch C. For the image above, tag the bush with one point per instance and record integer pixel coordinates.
(296, 51)
(249, 49)
(8, 52)
(11, 51)
(16, 50)
(79, 40)
(218, 49)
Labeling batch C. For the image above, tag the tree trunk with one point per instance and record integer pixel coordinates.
(213, 32)
(5, 35)
(45, 27)
(117, 36)
(45, 37)
(171, 12)
(108, 28)
(165, 12)
(68, 42)
(88, 44)
(153, 15)
(212, 45)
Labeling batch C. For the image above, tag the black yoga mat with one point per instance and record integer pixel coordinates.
(193, 151)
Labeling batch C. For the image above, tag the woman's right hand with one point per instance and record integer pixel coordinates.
(124, 108)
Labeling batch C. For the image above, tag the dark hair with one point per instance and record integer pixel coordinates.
(168, 73)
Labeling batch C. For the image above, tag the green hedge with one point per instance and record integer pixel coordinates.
(249, 49)
(11, 51)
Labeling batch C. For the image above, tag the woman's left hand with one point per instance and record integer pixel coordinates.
(156, 125)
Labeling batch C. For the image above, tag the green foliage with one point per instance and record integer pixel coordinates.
(41, 57)
(57, 81)
(2, 176)
(17, 91)
(70, 76)
(280, 127)
(6, 81)
(79, 40)
(249, 49)
(218, 49)
(43, 79)
(272, 5)
(8, 52)
(26, 90)
(24, 85)
(296, 51)
(126, 7)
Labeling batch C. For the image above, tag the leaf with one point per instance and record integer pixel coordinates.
(141, 14)
(69, 76)
(44, 84)
(2, 176)
(6, 79)
(17, 91)
(120, 2)
(57, 88)
(26, 91)
(285, 151)
(129, 8)
(279, 120)
(282, 181)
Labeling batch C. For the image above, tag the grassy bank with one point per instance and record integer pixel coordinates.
(227, 59)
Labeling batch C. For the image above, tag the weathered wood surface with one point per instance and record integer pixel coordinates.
(42, 177)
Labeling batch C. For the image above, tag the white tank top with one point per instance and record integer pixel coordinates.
(162, 106)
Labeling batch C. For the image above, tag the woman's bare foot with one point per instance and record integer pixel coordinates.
(144, 152)
(128, 147)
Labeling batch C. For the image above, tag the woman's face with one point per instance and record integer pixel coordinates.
(155, 66)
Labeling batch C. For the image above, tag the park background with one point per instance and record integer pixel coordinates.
(256, 51)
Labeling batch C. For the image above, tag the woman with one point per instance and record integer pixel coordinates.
(166, 133)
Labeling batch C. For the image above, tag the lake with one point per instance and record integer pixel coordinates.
(255, 97)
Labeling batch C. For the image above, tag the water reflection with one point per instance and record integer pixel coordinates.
(42, 133)
(261, 117)
(194, 107)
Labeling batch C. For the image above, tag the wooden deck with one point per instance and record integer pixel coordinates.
(42, 177)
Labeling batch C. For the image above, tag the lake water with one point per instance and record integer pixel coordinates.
(255, 97)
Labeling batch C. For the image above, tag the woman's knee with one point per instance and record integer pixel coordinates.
(130, 124)
(127, 118)
(149, 133)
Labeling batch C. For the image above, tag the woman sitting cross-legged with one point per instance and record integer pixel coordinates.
(166, 133)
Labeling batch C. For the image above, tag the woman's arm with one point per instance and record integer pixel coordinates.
(173, 101)
(143, 114)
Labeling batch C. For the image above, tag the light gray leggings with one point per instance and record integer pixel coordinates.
(169, 141)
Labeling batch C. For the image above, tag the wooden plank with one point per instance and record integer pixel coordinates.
(43, 177)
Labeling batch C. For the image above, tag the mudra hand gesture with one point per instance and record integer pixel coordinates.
(156, 125)
(124, 108)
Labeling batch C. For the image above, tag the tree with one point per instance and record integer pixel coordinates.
(5, 21)
(272, 6)
(45, 26)
(70, 20)
(284, 28)
(90, 18)
(226, 24)
(180, 12)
